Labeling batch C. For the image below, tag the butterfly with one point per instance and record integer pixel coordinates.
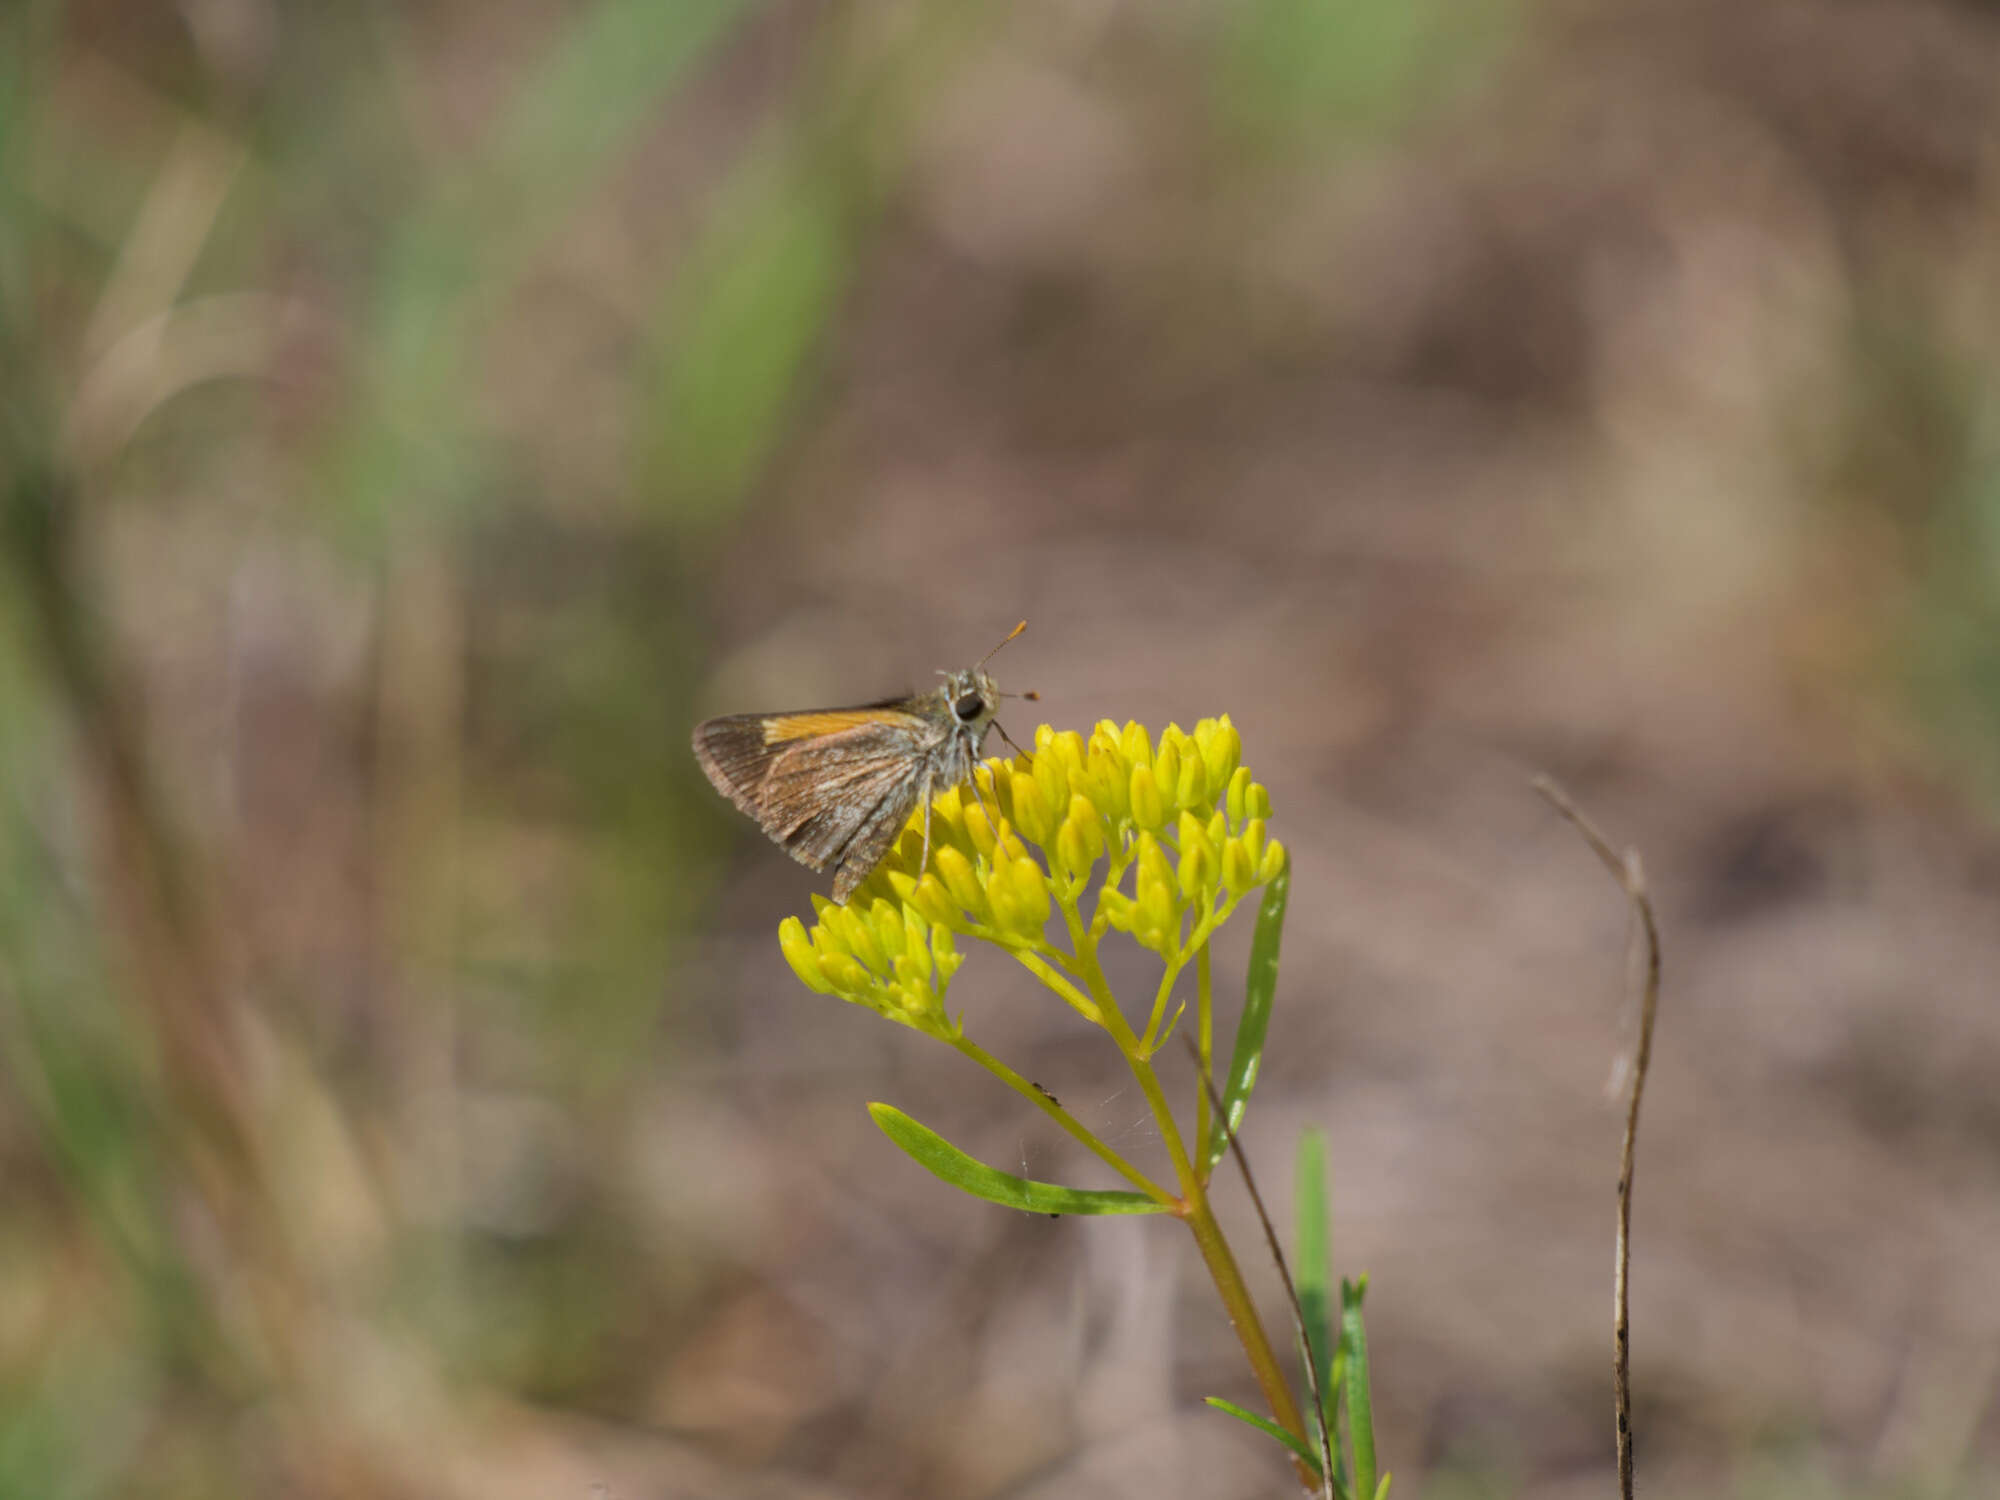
(834, 786)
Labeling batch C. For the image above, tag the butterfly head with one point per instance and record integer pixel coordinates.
(973, 698)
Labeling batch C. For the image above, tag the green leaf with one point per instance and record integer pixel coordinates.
(1312, 1268)
(1291, 1441)
(1260, 987)
(1360, 1404)
(1269, 1428)
(934, 1152)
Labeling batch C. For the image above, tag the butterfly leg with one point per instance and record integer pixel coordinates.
(924, 861)
(991, 821)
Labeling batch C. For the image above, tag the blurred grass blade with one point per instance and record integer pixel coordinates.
(1260, 987)
(1360, 1404)
(464, 248)
(1305, 71)
(934, 1152)
(1312, 1269)
(740, 332)
(1269, 1428)
(610, 71)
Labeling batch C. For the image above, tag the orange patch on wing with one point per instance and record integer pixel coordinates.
(784, 727)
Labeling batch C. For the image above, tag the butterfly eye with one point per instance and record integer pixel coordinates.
(968, 706)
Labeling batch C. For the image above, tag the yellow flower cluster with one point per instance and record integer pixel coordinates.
(1186, 820)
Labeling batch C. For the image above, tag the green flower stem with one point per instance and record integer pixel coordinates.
(1199, 1215)
(1150, 1042)
(1070, 1124)
(1236, 1301)
(1045, 971)
(1204, 1026)
(1084, 941)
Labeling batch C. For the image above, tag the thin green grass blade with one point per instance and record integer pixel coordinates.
(1312, 1268)
(1268, 1428)
(1260, 987)
(945, 1160)
(1360, 1404)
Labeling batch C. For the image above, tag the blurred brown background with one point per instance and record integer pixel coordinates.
(414, 417)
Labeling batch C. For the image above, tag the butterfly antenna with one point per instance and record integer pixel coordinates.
(1010, 635)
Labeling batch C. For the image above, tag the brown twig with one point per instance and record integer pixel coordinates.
(1284, 1270)
(1632, 876)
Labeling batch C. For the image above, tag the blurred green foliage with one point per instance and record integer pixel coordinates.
(1298, 73)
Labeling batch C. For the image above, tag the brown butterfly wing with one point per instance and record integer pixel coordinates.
(733, 754)
(836, 795)
(848, 818)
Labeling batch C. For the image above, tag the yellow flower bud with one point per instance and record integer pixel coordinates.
(1273, 863)
(1198, 869)
(1052, 774)
(1199, 872)
(1009, 845)
(852, 937)
(910, 848)
(800, 954)
(1155, 886)
(1110, 787)
(1135, 743)
(1089, 824)
(887, 922)
(946, 956)
(1162, 937)
(959, 879)
(921, 1003)
(979, 831)
(1031, 812)
(1221, 749)
(1193, 789)
(1072, 851)
(1031, 890)
(1239, 870)
(1167, 764)
(1218, 831)
(1253, 840)
(1236, 802)
(1148, 811)
(916, 944)
(992, 791)
(845, 975)
(1257, 801)
(1189, 830)
(1009, 913)
(932, 899)
(1117, 908)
